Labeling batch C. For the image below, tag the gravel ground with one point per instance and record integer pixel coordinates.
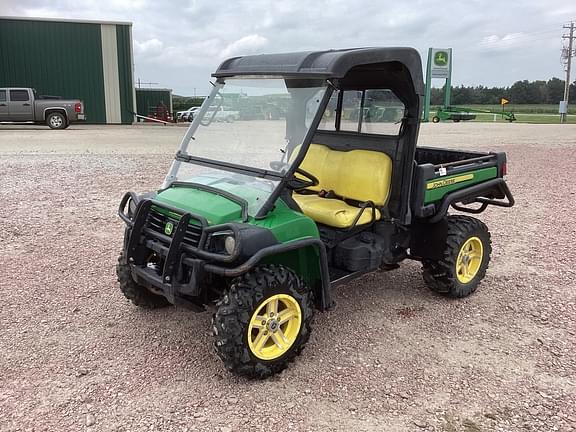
(75, 355)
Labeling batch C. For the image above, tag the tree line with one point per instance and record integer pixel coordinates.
(521, 92)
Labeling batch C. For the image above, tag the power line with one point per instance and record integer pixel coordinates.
(518, 36)
(514, 37)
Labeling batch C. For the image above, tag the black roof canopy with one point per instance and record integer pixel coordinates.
(331, 64)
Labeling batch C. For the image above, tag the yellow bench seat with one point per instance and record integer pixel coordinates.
(333, 212)
(354, 175)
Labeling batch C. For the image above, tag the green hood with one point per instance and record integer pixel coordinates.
(285, 223)
(215, 208)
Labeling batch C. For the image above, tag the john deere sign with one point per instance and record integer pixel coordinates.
(439, 66)
(440, 63)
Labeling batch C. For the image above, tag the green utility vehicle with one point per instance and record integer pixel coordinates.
(260, 217)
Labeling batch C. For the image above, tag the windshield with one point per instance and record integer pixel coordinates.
(241, 138)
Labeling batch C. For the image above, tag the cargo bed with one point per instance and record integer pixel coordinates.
(445, 177)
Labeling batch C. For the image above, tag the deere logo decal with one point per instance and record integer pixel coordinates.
(168, 228)
(440, 58)
(449, 181)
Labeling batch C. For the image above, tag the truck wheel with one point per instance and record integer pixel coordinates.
(263, 322)
(466, 257)
(56, 120)
(435, 119)
(137, 294)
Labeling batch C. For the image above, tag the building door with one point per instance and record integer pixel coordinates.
(3, 106)
(20, 106)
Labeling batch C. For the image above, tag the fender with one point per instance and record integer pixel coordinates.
(60, 109)
(324, 301)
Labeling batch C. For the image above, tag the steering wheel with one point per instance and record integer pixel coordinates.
(309, 180)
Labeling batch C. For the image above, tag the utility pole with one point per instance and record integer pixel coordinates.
(146, 83)
(568, 54)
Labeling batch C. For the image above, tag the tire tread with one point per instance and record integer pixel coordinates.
(235, 309)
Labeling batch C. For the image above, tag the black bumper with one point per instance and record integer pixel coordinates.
(179, 273)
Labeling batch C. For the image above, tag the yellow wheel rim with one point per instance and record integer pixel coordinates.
(469, 259)
(274, 326)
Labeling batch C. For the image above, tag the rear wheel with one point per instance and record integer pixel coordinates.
(435, 119)
(263, 322)
(56, 120)
(465, 258)
(137, 294)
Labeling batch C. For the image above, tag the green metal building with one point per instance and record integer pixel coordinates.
(88, 60)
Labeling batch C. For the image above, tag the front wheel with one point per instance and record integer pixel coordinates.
(465, 258)
(435, 119)
(263, 322)
(56, 120)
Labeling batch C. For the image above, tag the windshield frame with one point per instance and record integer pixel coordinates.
(282, 178)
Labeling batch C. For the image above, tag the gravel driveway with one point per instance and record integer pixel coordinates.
(75, 355)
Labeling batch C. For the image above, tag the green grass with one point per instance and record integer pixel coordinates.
(527, 118)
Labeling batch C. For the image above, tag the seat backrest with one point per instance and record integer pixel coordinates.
(361, 175)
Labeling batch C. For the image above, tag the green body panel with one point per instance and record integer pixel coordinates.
(305, 262)
(285, 224)
(147, 100)
(478, 176)
(55, 58)
(124, 47)
(288, 225)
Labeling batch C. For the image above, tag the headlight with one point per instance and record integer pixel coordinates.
(222, 242)
(229, 245)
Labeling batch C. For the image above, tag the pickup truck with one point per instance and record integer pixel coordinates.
(187, 115)
(223, 114)
(24, 105)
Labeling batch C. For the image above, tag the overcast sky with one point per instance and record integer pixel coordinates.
(177, 44)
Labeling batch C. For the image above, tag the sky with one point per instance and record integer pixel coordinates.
(178, 44)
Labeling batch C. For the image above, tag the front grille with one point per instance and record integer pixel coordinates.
(157, 221)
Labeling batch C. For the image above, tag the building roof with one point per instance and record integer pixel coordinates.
(323, 64)
(153, 89)
(64, 20)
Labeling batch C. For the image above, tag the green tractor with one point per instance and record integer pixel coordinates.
(258, 218)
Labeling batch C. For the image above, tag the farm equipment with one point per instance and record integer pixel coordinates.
(457, 114)
(258, 219)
